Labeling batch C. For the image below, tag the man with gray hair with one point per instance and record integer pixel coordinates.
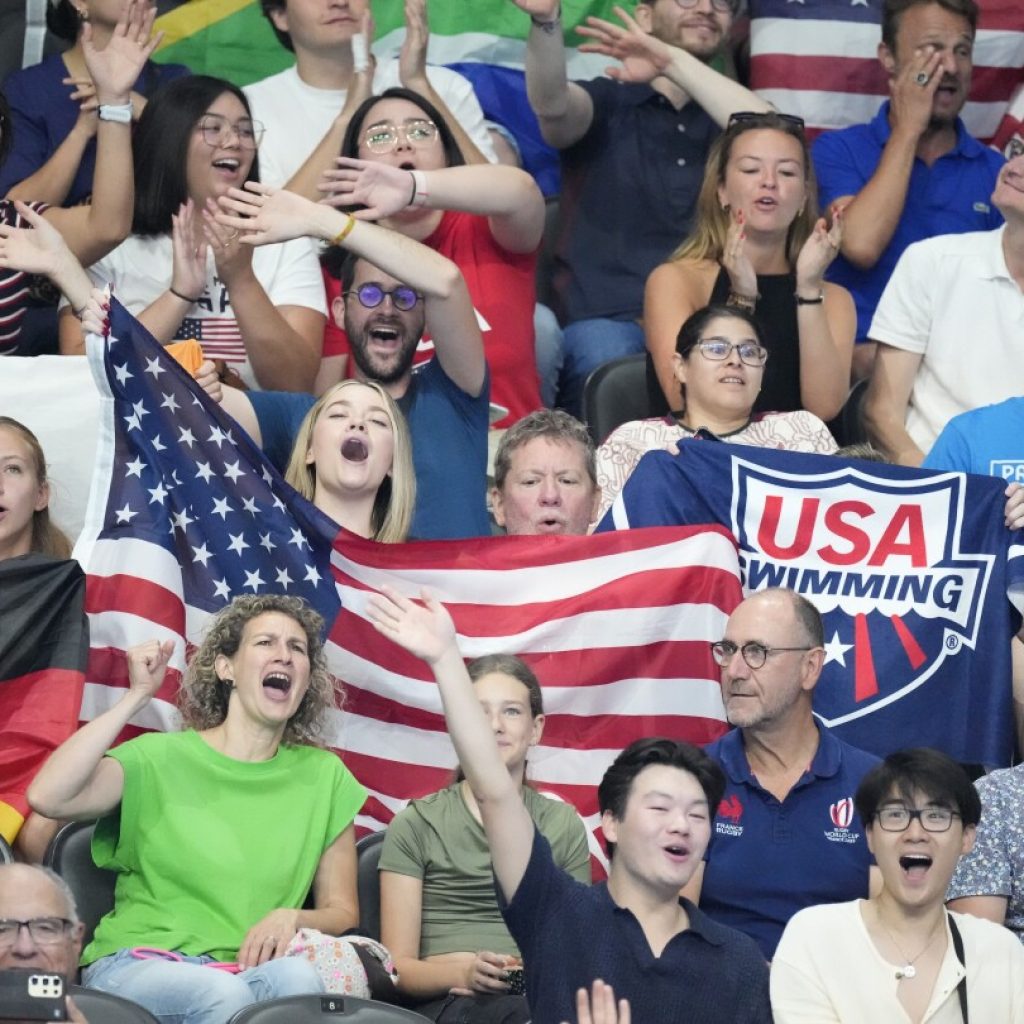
(786, 835)
(545, 480)
(39, 926)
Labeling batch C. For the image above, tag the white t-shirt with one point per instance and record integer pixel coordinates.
(140, 268)
(952, 299)
(297, 116)
(827, 970)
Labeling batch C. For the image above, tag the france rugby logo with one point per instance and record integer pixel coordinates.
(882, 560)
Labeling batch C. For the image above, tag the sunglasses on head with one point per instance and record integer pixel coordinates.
(769, 119)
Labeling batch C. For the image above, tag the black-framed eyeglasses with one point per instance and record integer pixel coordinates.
(372, 295)
(45, 931)
(764, 118)
(725, 6)
(216, 128)
(384, 137)
(718, 349)
(897, 818)
(754, 653)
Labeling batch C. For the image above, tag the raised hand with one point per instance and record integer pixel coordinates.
(1014, 510)
(38, 249)
(147, 664)
(742, 276)
(412, 60)
(115, 68)
(188, 259)
(599, 1007)
(381, 188)
(261, 214)
(542, 10)
(268, 938)
(423, 628)
(231, 257)
(818, 252)
(912, 92)
(643, 57)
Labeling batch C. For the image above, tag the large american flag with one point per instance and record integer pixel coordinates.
(185, 513)
(818, 59)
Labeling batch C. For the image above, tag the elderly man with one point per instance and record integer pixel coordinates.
(39, 927)
(914, 171)
(633, 153)
(786, 835)
(544, 476)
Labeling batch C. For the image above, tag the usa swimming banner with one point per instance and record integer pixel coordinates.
(920, 584)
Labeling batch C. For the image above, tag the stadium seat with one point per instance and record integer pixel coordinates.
(368, 851)
(322, 1009)
(6, 854)
(70, 855)
(103, 1008)
(616, 393)
(848, 426)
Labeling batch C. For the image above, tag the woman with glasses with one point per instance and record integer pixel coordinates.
(719, 367)
(185, 276)
(402, 165)
(759, 244)
(900, 955)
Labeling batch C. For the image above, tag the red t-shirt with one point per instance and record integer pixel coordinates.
(501, 285)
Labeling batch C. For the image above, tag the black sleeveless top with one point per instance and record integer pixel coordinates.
(776, 317)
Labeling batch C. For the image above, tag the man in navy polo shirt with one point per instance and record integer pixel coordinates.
(633, 149)
(914, 171)
(786, 835)
(659, 952)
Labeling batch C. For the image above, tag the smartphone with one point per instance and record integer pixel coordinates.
(32, 994)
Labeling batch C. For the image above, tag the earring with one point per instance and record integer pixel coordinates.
(83, 13)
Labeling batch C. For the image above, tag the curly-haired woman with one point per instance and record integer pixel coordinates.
(217, 832)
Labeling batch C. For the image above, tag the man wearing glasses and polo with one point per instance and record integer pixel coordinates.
(786, 835)
(633, 147)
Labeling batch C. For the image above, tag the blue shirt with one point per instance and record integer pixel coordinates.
(767, 859)
(570, 934)
(449, 448)
(43, 114)
(948, 198)
(629, 189)
(988, 441)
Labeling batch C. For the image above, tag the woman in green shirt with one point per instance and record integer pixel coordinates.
(217, 832)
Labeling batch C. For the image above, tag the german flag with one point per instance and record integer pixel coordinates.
(44, 642)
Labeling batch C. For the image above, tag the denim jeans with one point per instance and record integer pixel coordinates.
(548, 350)
(588, 345)
(186, 992)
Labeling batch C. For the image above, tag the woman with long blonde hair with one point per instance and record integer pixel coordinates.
(759, 244)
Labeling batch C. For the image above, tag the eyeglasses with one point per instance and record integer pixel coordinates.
(718, 349)
(384, 137)
(725, 6)
(754, 654)
(215, 130)
(44, 930)
(898, 818)
(764, 118)
(1014, 148)
(371, 296)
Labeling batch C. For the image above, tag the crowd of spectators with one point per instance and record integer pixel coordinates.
(360, 261)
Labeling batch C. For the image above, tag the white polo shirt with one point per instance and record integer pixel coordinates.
(952, 299)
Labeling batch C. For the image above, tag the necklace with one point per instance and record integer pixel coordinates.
(908, 970)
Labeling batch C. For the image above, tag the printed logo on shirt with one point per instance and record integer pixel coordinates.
(841, 815)
(1007, 469)
(883, 561)
(727, 821)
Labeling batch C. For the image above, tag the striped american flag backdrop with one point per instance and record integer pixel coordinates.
(185, 513)
(817, 59)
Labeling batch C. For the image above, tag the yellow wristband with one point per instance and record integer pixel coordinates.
(344, 232)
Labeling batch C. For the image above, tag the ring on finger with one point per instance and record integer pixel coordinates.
(922, 78)
(233, 235)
